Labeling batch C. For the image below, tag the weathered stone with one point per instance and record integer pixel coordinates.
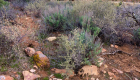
(88, 69)
(30, 51)
(6, 77)
(111, 45)
(97, 79)
(32, 70)
(51, 38)
(117, 71)
(110, 74)
(56, 79)
(51, 77)
(92, 78)
(100, 61)
(29, 76)
(116, 46)
(35, 67)
(41, 60)
(103, 50)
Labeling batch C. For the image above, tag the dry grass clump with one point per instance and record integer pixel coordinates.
(102, 12)
(36, 7)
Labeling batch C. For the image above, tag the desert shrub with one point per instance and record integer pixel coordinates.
(56, 21)
(102, 12)
(8, 15)
(128, 15)
(79, 48)
(136, 37)
(20, 4)
(36, 7)
(62, 18)
(3, 3)
(59, 18)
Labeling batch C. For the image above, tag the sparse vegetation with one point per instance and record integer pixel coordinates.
(3, 3)
(80, 28)
(78, 48)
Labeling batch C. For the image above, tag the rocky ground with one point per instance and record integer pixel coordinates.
(118, 62)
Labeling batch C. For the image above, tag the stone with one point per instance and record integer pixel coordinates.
(136, 79)
(30, 76)
(30, 51)
(51, 39)
(100, 61)
(88, 69)
(117, 70)
(51, 77)
(103, 50)
(116, 46)
(32, 70)
(105, 66)
(35, 67)
(92, 78)
(70, 73)
(110, 74)
(97, 79)
(41, 60)
(111, 45)
(6, 77)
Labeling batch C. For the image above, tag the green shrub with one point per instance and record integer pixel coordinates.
(3, 3)
(56, 21)
(79, 48)
(58, 76)
(36, 7)
(103, 13)
(136, 37)
(46, 78)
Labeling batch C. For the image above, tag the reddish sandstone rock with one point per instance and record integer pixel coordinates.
(41, 60)
(29, 76)
(30, 51)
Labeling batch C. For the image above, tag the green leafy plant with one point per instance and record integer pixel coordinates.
(79, 48)
(136, 36)
(46, 78)
(56, 21)
(3, 3)
(58, 76)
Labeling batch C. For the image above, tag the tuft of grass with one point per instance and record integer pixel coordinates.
(58, 76)
(15, 66)
(46, 78)
(3, 69)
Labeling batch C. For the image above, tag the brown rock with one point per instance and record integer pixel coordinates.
(30, 51)
(111, 45)
(41, 60)
(116, 46)
(88, 69)
(6, 77)
(110, 74)
(35, 67)
(29, 76)
(103, 50)
(117, 71)
(51, 38)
